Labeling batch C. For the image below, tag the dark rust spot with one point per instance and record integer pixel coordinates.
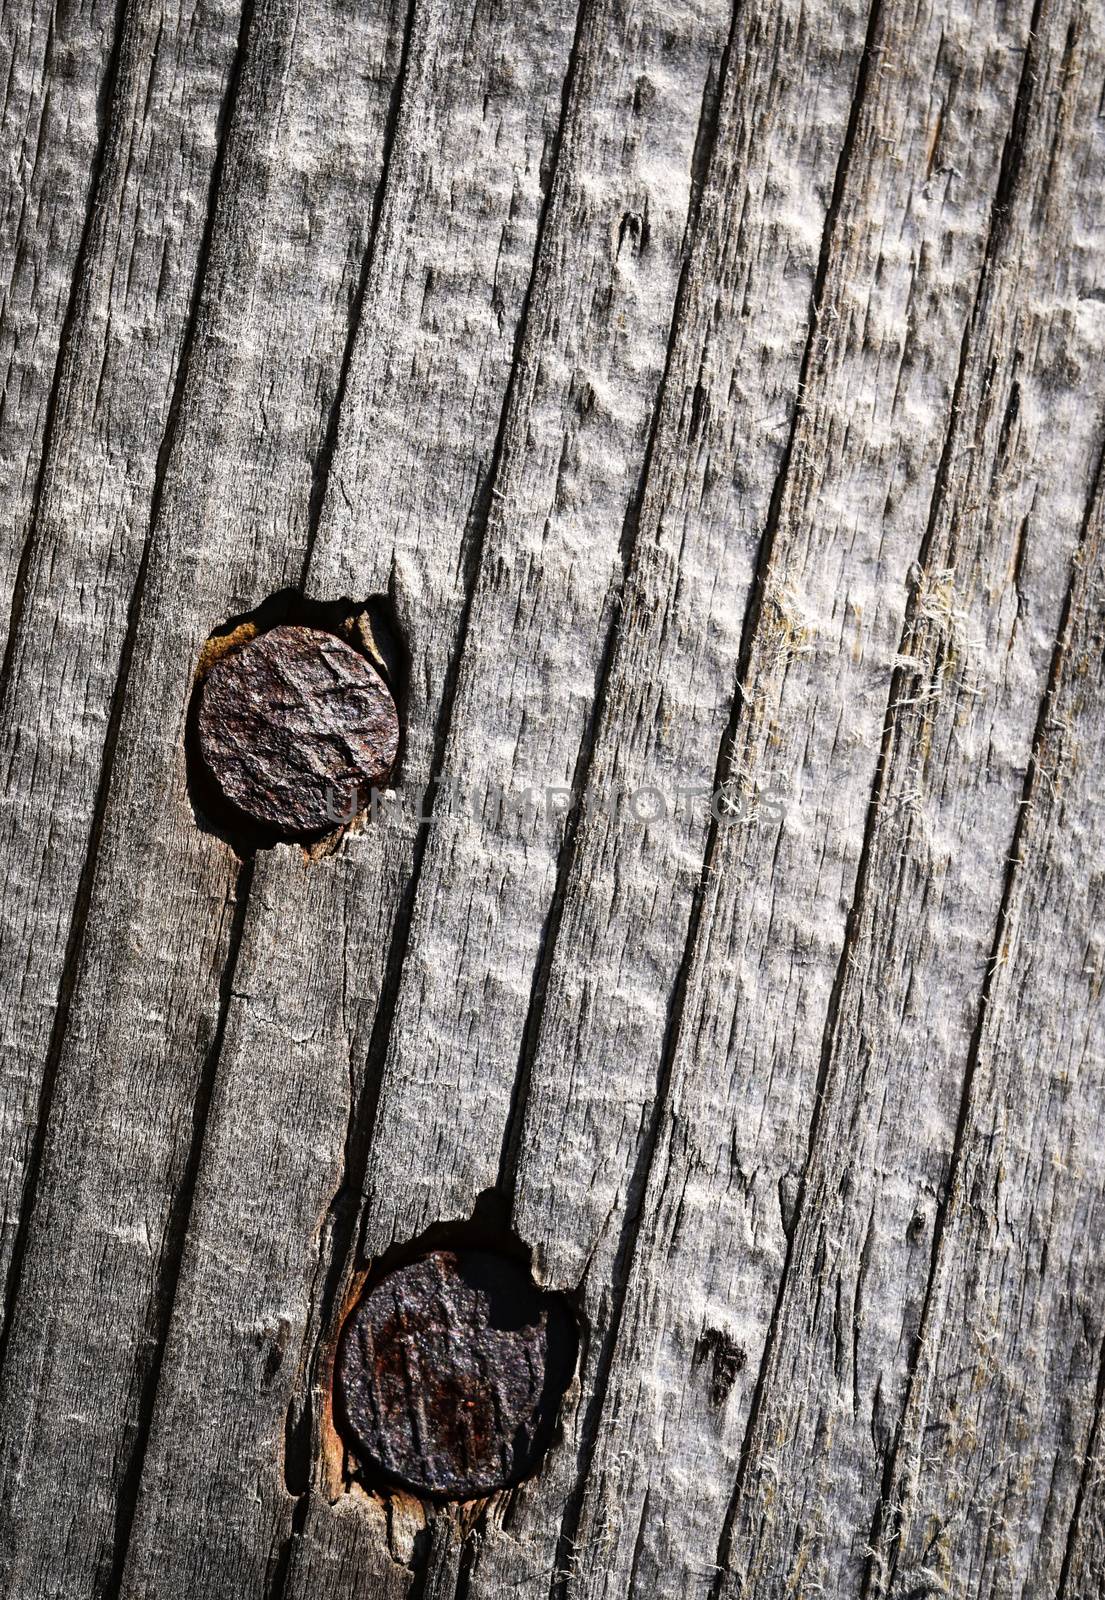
(450, 1371)
(726, 1361)
(295, 729)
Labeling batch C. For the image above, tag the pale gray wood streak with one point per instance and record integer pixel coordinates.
(904, 259)
(129, 316)
(984, 613)
(288, 234)
(574, 439)
(348, 1550)
(450, 270)
(996, 1453)
(53, 70)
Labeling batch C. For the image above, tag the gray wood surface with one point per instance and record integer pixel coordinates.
(713, 399)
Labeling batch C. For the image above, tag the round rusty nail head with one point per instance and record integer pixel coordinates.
(295, 728)
(450, 1372)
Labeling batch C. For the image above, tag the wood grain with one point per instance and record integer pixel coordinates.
(85, 552)
(975, 657)
(133, 1074)
(56, 72)
(700, 411)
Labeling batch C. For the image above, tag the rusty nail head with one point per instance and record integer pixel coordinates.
(294, 726)
(450, 1372)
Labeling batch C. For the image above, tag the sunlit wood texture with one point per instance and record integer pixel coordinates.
(716, 397)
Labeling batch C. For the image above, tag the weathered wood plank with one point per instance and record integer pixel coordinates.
(551, 570)
(975, 656)
(350, 1549)
(709, 396)
(54, 69)
(103, 1242)
(129, 316)
(598, 172)
(449, 276)
(672, 1540)
(720, 444)
(701, 1329)
(988, 1475)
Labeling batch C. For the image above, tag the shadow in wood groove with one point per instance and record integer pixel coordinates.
(280, 1563)
(470, 1549)
(1089, 1466)
(438, 1553)
(75, 937)
(1011, 158)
